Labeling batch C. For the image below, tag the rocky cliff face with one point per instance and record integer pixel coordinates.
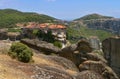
(86, 60)
(112, 52)
(95, 42)
(84, 64)
(112, 25)
(97, 21)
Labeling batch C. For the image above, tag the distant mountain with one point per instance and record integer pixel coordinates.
(93, 16)
(9, 17)
(91, 25)
(100, 22)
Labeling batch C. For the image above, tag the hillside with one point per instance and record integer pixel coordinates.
(76, 32)
(93, 16)
(65, 66)
(9, 17)
(100, 22)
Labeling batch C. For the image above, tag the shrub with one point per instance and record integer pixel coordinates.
(57, 44)
(20, 52)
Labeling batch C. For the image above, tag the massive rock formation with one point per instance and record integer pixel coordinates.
(57, 68)
(97, 21)
(81, 54)
(84, 64)
(41, 46)
(112, 52)
(112, 25)
(95, 42)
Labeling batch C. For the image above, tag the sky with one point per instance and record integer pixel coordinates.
(65, 9)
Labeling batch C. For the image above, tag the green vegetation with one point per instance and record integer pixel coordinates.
(9, 18)
(77, 32)
(14, 30)
(57, 44)
(20, 52)
(93, 16)
(79, 29)
(44, 36)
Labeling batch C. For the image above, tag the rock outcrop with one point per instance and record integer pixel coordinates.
(112, 52)
(41, 46)
(44, 67)
(88, 75)
(84, 64)
(13, 36)
(81, 54)
(98, 67)
(97, 21)
(3, 34)
(95, 42)
(112, 25)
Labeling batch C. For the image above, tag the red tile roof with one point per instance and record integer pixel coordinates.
(46, 25)
(55, 26)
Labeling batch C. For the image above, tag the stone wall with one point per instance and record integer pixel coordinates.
(111, 49)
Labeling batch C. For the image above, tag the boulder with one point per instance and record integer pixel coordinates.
(68, 52)
(84, 46)
(76, 52)
(54, 66)
(65, 63)
(95, 42)
(95, 57)
(48, 72)
(41, 46)
(85, 59)
(98, 67)
(87, 74)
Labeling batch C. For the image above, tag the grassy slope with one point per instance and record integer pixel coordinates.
(87, 32)
(78, 30)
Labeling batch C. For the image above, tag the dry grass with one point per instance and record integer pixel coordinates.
(9, 72)
(42, 59)
(13, 69)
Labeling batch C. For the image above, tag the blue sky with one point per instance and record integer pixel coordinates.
(65, 9)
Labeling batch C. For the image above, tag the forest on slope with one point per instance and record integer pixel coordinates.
(9, 18)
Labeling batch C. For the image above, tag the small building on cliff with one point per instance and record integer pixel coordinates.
(58, 31)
